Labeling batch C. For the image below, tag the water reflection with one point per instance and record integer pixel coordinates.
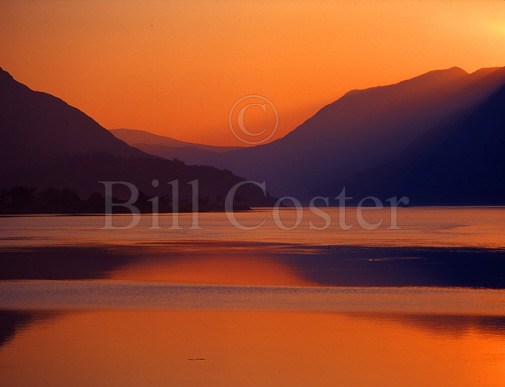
(14, 321)
(403, 266)
(252, 348)
(277, 324)
(248, 263)
(61, 262)
(214, 263)
(451, 325)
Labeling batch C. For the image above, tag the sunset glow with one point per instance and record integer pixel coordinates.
(252, 193)
(176, 68)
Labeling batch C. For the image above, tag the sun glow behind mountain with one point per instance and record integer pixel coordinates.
(176, 68)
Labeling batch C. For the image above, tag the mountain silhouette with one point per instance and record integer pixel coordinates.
(170, 148)
(436, 138)
(46, 143)
(134, 137)
(361, 130)
(459, 162)
(39, 128)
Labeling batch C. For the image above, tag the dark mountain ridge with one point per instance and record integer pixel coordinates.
(459, 162)
(44, 143)
(39, 128)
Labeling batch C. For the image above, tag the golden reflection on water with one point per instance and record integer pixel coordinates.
(214, 266)
(217, 271)
(247, 348)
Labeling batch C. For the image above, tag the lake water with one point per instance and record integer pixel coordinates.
(423, 305)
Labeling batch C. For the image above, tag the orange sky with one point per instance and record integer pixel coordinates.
(177, 67)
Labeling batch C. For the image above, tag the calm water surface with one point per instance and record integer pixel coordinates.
(219, 306)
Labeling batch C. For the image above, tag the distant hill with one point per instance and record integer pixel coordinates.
(362, 130)
(142, 137)
(190, 155)
(45, 143)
